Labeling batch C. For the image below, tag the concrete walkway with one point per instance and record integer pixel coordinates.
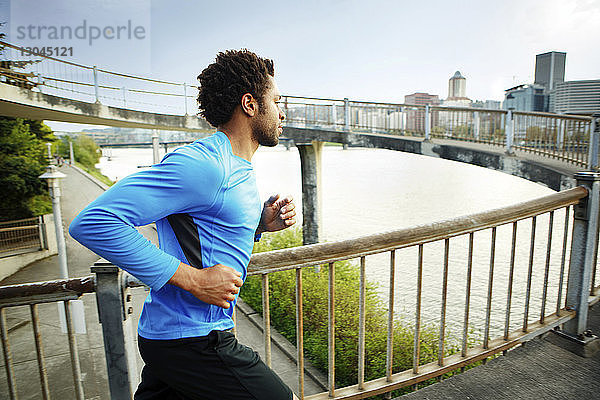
(78, 191)
(536, 370)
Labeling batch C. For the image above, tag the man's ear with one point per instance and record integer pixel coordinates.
(249, 105)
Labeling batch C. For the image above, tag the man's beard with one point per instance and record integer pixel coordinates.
(264, 135)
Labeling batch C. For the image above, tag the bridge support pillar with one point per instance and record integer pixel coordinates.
(155, 147)
(310, 160)
(584, 246)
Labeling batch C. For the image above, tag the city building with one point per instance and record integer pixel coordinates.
(415, 118)
(422, 99)
(550, 69)
(457, 92)
(526, 97)
(457, 97)
(487, 104)
(457, 86)
(549, 73)
(576, 97)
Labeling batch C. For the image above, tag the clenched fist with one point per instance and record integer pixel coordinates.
(216, 285)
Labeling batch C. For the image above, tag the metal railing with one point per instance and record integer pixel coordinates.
(31, 296)
(518, 323)
(485, 313)
(21, 236)
(91, 84)
(562, 137)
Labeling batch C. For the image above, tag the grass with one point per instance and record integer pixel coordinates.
(96, 174)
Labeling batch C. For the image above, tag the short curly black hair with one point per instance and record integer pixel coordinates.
(223, 83)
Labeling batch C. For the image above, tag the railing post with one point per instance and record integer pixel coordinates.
(40, 81)
(427, 123)
(346, 114)
(560, 138)
(155, 147)
(334, 115)
(476, 122)
(114, 311)
(124, 91)
(42, 233)
(594, 138)
(96, 84)
(584, 245)
(508, 130)
(185, 105)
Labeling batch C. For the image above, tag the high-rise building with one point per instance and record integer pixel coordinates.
(525, 98)
(550, 69)
(415, 118)
(576, 97)
(457, 87)
(457, 92)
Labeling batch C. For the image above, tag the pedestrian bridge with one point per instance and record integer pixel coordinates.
(551, 290)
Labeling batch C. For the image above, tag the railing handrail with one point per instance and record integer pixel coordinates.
(16, 221)
(440, 108)
(322, 253)
(59, 287)
(19, 228)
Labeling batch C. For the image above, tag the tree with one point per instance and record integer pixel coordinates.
(85, 150)
(22, 161)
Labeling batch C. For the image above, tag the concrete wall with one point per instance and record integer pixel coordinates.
(10, 265)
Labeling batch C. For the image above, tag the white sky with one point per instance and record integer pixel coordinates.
(369, 50)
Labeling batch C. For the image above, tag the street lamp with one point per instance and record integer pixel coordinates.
(71, 156)
(53, 176)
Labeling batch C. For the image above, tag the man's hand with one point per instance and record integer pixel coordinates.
(277, 214)
(213, 285)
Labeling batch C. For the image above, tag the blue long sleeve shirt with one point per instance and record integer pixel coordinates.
(206, 206)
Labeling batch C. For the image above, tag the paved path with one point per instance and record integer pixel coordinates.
(537, 370)
(78, 191)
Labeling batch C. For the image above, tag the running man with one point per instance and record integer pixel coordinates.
(205, 203)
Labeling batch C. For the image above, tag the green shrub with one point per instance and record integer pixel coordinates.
(282, 289)
(85, 150)
(87, 154)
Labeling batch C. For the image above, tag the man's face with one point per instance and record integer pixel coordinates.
(267, 126)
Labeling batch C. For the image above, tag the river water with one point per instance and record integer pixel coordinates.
(373, 190)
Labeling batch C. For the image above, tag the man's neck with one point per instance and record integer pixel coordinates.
(241, 141)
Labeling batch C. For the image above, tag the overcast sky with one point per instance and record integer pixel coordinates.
(369, 50)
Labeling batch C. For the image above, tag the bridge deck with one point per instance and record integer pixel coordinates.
(537, 370)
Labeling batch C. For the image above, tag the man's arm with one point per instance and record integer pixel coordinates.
(107, 225)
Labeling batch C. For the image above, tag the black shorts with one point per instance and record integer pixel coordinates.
(210, 367)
